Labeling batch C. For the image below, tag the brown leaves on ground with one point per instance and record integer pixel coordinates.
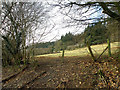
(112, 75)
(74, 72)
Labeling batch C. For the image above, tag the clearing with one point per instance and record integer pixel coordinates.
(97, 49)
(72, 72)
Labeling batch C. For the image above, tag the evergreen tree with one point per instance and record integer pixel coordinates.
(96, 34)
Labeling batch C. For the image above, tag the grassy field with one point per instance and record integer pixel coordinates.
(97, 49)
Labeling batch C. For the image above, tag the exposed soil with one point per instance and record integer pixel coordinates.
(72, 72)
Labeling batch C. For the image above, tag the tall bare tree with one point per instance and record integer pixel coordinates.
(83, 12)
(19, 20)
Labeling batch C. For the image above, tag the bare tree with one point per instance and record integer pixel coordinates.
(84, 12)
(19, 21)
(83, 7)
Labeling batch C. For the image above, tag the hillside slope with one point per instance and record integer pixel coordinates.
(97, 49)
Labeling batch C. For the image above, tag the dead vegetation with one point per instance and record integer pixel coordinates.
(74, 72)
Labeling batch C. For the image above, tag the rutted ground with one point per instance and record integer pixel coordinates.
(74, 72)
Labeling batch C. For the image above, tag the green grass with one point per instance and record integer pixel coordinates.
(97, 49)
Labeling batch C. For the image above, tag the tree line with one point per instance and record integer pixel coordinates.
(20, 20)
(97, 33)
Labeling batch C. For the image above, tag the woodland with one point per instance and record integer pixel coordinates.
(89, 59)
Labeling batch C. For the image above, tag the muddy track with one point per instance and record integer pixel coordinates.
(40, 75)
(25, 77)
(13, 76)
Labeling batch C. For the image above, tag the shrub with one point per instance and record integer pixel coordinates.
(40, 51)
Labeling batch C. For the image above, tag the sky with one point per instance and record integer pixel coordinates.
(60, 27)
(59, 20)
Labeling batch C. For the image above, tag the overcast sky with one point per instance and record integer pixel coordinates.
(60, 25)
(60, 22)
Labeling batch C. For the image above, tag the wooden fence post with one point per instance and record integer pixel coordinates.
(63, 52)
(102, 53)
(109, 48)
(90, 50)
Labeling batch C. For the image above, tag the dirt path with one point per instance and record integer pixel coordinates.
(75, 72)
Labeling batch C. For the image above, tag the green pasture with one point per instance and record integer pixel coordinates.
(97, 49)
